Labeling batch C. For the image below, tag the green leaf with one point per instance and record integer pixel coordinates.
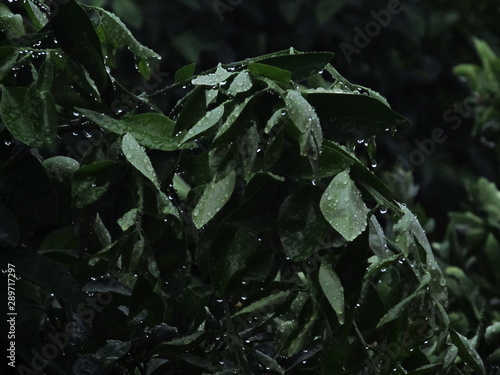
(378, 244)
(300, 111)
(269, 363)
(129, 219)
(241, 83)
(409, 232)
(91, 182)
(137, 156)
(232, 120)
(8, 59)
(36, 16)
(206, 122)
(44, 80)
(60, 167)
(301, 225)
(215, 196)
(40, 113)
(113, 351)
(185, 73)
(343, 207)
(333, 289)
(45, 273)
(265, 304)
(307, 122)
(467, 352)
(220, 76)
(397, 311)
(119, 36)
(301, 65)
(276, 74)
(12, 24)
(12, 108)
(350, 117)
(153, 130)
(488, 197)
(77, 37)
(366, 178)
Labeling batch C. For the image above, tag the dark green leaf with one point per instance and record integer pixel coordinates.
(91, 182)
(215, 196)
(343, 207)
(350, 117)
(333, 289)
(467, 352)
(301, 225)
(276, 74)
(185, 73)
(137, 156)
(301, 65)
(265, 304)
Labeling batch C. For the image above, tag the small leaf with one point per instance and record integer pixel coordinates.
(219, 77)
(60, 167)
(214, 197)
(91, 182)
(333, 289)
(265, 304)
(129, 219)
(184, 73)
(396, 311)
(467, 352)
(301, 65)
(343, 207)
(241, 83)
(209, 120)
(272, 72)
(136, 155)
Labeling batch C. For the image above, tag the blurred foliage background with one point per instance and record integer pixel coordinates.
(410, 61)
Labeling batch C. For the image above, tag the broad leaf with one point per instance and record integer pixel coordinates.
(343, 207)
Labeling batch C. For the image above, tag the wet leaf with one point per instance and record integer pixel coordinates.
(215, 196)
(343, 207)
(333, 289)
(137, 156)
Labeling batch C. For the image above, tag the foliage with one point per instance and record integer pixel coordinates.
(239, 232)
